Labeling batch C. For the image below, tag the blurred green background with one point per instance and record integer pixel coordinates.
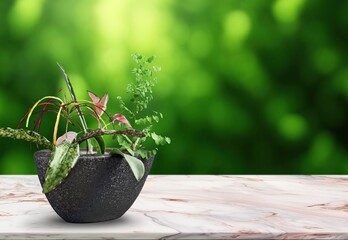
(252, 86)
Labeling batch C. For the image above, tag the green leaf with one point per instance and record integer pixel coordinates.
(134, 163)
(63, 159)
(116, 151)
(150, 59)
(100, 144)
(136, 166)
(168, 140)
(130, 151)
(156, 69)
(26, 135)
(159, 140)
(156, 118)
(140, 121)
(146, 153)
(123, 141)
(149, 119)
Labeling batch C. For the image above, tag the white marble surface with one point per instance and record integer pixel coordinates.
(193, 207)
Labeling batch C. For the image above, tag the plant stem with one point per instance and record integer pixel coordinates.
(56, 125)
(79, 112)
(37, 103)
(100, 132)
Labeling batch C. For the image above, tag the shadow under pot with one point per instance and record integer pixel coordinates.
(98, 188)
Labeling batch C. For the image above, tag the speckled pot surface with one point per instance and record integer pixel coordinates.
(98, 188)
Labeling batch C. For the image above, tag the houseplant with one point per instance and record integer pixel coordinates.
(96, 183)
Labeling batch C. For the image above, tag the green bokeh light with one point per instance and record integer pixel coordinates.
(24, 16)
(292, 127)
(237, 27)
(287, 11)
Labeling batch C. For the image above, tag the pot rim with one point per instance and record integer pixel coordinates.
(83, 153)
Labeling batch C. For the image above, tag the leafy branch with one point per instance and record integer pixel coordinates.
(101, 132)
(142, 94)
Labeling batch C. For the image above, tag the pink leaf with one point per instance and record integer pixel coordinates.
(69, 137)
(122, 119)
(100, 104)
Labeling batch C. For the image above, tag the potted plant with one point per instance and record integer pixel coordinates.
(95, 183)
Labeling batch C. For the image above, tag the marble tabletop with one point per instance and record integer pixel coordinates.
(193, 207)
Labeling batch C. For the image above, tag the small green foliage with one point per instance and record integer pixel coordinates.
(141, 88)
(124, 141)
(155, 118)
(146, 153)
(141, 91)
(159, 140)
(63, 159)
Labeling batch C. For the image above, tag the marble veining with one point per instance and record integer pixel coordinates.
(193, 207)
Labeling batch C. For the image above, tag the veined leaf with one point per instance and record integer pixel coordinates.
(136, 165)
(26, 135)
(63, 159)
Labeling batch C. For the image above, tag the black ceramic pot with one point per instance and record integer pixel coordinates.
(98, 188)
